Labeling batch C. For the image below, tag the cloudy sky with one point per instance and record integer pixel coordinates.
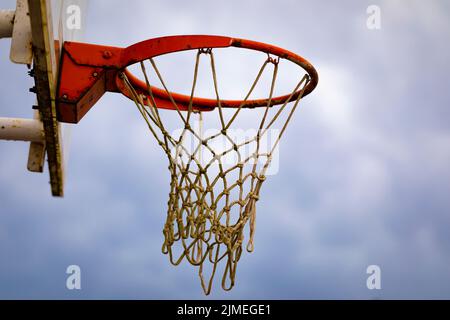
(364, 167)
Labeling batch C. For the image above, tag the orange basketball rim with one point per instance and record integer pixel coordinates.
(87, 71)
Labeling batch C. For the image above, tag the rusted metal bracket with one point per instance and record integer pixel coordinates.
(87, 71)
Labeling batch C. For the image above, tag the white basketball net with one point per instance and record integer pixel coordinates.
(207, 213)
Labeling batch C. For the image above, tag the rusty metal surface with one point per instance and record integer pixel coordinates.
(45, 65)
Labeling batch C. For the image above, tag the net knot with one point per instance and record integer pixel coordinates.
(187, 205)
(253, 196)
(273, 60)
(205, 50)
(201, 219)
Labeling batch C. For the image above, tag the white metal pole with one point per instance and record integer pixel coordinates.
(6, 23)
(21, 130)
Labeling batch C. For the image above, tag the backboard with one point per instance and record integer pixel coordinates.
(52, 23)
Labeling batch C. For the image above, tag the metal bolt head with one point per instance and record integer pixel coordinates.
(107, 54)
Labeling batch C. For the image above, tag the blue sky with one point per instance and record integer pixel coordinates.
(364, 167)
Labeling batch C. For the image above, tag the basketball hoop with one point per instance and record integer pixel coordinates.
(206, 223)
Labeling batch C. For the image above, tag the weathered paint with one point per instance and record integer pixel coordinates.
(21, 130)
(79, 90)
(45, 66)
